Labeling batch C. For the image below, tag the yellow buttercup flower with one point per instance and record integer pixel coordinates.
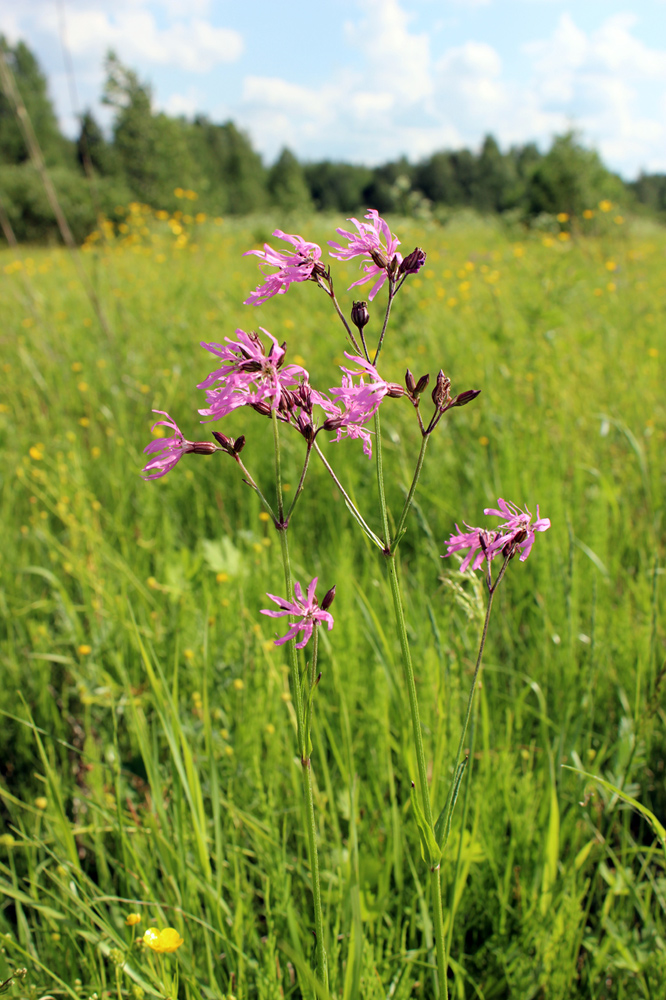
(164, 942)
(132, 919)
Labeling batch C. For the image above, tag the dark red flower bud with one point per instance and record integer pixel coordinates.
(333, 423)
(239, 444)
(422, 384)
(379, 258)
(465, 397)
(394, 390)
(226, 443)
(410, 382)
(203, 448)
(360, 315)
(440, 394)
(329, 597)
(261, 407)
(413, 262)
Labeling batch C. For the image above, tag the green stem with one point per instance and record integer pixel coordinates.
(477, 668)
(383, 511)
(351, 506)
(301, 732)
(412, 489)
(380, 342)
(299, 488)
(422, 766)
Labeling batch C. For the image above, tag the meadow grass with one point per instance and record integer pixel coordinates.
(148, 758)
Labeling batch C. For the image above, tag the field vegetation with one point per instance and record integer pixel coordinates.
(147, 757)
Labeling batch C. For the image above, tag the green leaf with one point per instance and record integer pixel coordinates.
(658, 827)
(430, 849)
(443, 824)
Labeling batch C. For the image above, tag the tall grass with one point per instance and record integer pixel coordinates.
(148, 747)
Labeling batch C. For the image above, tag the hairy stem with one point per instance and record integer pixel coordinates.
(380, 342)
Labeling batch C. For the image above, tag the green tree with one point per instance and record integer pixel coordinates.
(134, 132)
(287, 185)
(337, 187)
(32, 86)
(570, 178)
(234, 171)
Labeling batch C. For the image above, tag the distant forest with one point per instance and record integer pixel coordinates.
(150, 155)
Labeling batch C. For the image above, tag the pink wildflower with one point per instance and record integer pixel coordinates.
(248, 375)
(168, 451)
(368, 243)
(360, 402)
(306, 609)
(517, 527)
(291, 267)
(515, 532)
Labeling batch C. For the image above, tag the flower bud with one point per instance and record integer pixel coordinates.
(409, 382)
(379, 258)
(226, 443)
(440, 394)
(203, 448)
(328, 599)
(413, 262)
(465, 397)
(333, 423)
(263, 408)
(422, 384)
(239, 444)
(360, 315)
(394, 390)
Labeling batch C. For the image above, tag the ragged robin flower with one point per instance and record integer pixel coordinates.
(249, 375)
(166, 452)
(515, 535)
(359, 402)
(302, 264)
(376, 243)
(305, 609)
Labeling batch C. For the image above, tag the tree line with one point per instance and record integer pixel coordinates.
(150, 155)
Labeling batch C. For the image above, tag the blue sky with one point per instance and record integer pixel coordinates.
(370, 80)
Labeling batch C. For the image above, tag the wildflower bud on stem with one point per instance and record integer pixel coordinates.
(203, 448)
(328, 599)
(440, 394)
(413, 262)
(360, 315)
(409, 382)
(422, 384)
(465, 397)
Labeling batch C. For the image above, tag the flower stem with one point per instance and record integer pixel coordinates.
(491, 593)
(412, 489)
(380, 342)
(383, 510)
(351, 506)
(422, 767)
(301, 731)
(299, 488)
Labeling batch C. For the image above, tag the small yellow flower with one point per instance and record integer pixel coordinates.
(36, 453)
(588, 213)
(41, 802)
(605, 205)
(611, 265)
(653, 352)
(188, 654)
(164, 942)
(264, 516)
(132, 919)
(562, 216)
(84, 649)
(222, 577)
(238, 684)
(483, 441)
(6, 840)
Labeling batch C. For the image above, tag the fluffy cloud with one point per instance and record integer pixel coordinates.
(399, 97)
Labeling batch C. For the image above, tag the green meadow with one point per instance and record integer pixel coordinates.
(148, 754)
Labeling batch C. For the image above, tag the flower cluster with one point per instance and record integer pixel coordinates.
(359, 402)
(301, 265)
(515, 534)
(248, 375)
(307, 611)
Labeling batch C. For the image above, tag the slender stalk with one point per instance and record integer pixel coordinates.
(380, 342)
(251, 482)
(301, 730)
(456, 867)
(342, 316)
(351, 506)
(492, 587)
(412, 489)
(383, 511)
(299, 488)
